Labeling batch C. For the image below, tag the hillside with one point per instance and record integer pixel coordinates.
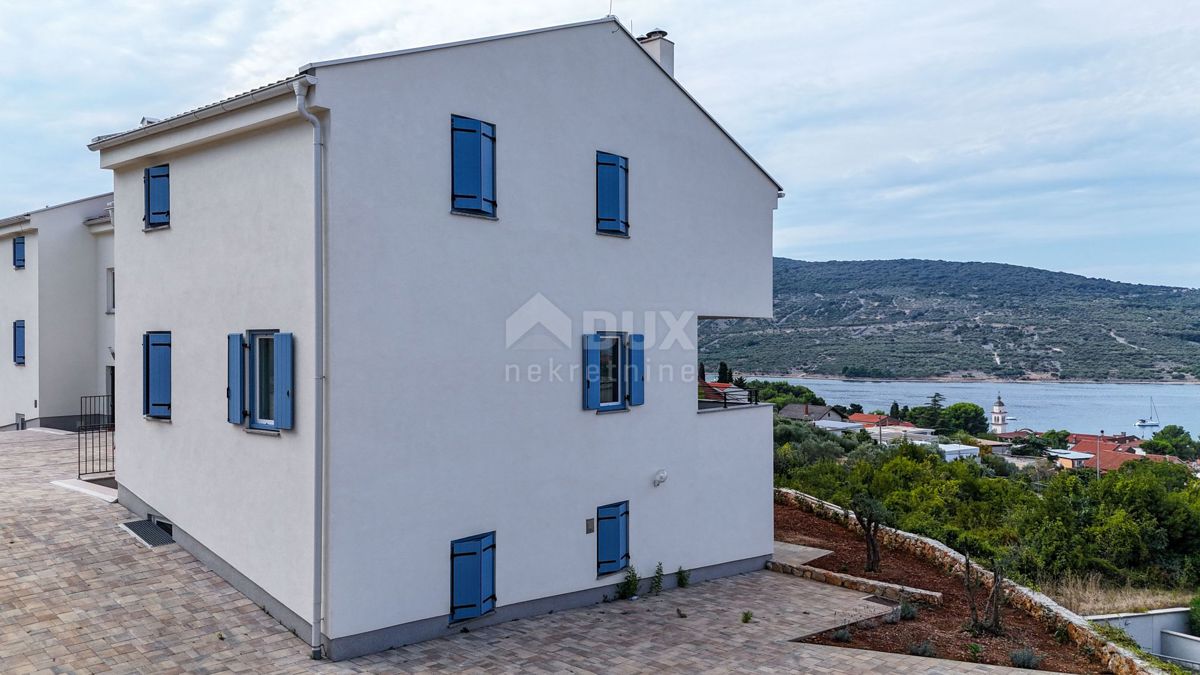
(927, 318)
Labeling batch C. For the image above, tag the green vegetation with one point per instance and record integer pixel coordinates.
(1139, 525)
(842, 634)
(656, 581)
(683, 578)
(924, 318)
(925, 648)
(1194, 615)
(782, 393)
(747, 617)
(1025, 658)
(1173, 440)
(628, 586)
(1119, 637)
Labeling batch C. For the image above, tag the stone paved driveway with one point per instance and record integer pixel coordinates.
(79, 595)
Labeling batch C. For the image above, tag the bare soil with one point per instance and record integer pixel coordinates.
(944, 625)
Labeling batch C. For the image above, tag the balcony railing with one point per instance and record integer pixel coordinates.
(711, 397)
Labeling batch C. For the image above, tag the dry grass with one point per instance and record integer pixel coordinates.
(1088, 595)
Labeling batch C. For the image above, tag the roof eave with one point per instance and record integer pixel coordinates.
(210, 111)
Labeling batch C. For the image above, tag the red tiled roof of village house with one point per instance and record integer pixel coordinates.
(877, 420)
(1112, 459)
(1122, 438)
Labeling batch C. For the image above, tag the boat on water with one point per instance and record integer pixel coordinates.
(1151, 421)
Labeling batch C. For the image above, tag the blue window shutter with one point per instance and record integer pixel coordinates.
(146, 374)
(623, 533)
(19, 253)
(465, 579)
(19, 343)
(235, 392)
(612, 553)
(612, 193)
(158, 195)
(637, 369)
(467, 191)
(284, 363)
(591, 372)
(160, 375)
(487, 573)
(473, 159)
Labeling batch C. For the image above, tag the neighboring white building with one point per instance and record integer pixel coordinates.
(953, 451)
(57, 335)
(999, 417)
(488, 209)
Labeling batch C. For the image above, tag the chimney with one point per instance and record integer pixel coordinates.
(658, 46)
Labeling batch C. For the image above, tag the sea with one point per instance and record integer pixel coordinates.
(1077, 407)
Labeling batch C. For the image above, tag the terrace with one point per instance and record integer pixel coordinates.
(78, 593)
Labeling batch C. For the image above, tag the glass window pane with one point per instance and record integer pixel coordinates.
(610, 369)
(265, 362)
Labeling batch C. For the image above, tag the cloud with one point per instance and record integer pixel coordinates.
(1050, 134)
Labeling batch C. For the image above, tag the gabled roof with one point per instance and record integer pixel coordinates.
(284, 86)
(311, 68)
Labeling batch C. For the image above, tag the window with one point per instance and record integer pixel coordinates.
(260, 368)
(472, 576)
(158, 196)
(612, 538)
(18, 253)
(614, 371)
(156, 375)
(612, 194)
(110, 290)
(19, 343)
(473, 162)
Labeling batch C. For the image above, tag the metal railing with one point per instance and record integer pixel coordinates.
(710, 397)
(94, 436)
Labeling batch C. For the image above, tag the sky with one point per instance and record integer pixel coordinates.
(1060, 134)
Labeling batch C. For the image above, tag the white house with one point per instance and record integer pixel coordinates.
(418, 333)
(953, 451)
(56, 272)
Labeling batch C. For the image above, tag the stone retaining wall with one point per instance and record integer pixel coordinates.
(1117, 659)
(881, 589)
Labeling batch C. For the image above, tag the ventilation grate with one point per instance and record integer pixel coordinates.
(151, 534)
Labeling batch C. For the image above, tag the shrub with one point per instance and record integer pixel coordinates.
(892, 616)
(922, 649)
(656, 580)
(682, 577)
(908, 611)
(628, 587)
(975, 650)
(1194, 615)
(842, 634)
(1025, 658)
(747, 616)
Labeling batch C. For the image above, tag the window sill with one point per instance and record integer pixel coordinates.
(156, 228)
(482, 216)
(618, 235)
(160, 420)
(111, 312)
(261, 432)
(611, 411)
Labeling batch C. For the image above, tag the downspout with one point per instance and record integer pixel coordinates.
(301, 88)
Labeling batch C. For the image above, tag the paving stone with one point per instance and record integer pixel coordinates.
(79, 595)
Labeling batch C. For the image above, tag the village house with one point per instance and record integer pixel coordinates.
(450, 216)
(808, 412)
(59, 331)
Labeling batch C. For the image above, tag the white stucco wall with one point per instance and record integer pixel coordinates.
(429, 442)
(18, 301)
(237, 256)
(69, 310)
(54, 295)
(106, 323)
